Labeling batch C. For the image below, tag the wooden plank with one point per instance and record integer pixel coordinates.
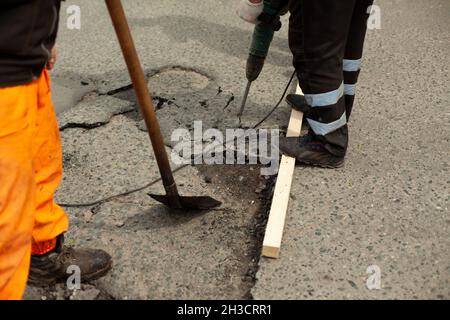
(278, 209)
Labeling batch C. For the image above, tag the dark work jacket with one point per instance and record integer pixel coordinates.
(28, 31)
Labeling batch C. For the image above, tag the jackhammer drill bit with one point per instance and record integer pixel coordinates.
(244, 99)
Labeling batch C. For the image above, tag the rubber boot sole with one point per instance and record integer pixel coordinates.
(325, 166)
(314, 164)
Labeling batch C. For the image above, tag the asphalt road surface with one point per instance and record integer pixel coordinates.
(387, 210)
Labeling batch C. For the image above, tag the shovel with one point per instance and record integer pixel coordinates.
(171, 198)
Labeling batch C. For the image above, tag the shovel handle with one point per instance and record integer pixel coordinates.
(130, 54)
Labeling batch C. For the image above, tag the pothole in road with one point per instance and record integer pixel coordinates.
(247, 195)
(181, 97)
(193, 96)
(245, 192)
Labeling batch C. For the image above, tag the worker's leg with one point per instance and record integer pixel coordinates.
(50, 219)
(50, 259)
(17, 188)
(318, 36)
(354, 51)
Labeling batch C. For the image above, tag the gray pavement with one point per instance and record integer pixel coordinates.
(387, 207)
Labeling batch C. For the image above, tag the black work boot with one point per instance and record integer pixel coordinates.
(310, 151)
(49, 268)
(298, 102)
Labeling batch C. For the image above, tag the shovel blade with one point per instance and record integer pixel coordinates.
(189, 203)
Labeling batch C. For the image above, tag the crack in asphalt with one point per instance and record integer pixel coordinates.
(90, 126)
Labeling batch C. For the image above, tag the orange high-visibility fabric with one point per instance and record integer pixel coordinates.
(30, 172)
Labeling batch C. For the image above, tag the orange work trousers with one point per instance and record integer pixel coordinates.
(30, 172)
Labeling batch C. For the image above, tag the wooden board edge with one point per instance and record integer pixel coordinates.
(271, 249)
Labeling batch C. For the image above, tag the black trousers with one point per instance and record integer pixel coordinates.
(326, 38)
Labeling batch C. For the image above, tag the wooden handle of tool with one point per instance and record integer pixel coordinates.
(123, 32)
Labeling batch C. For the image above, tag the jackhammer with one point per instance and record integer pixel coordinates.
(261, 40)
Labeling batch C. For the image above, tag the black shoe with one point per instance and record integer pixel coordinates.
(298, 102)
(309, 151)
(52, 267)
